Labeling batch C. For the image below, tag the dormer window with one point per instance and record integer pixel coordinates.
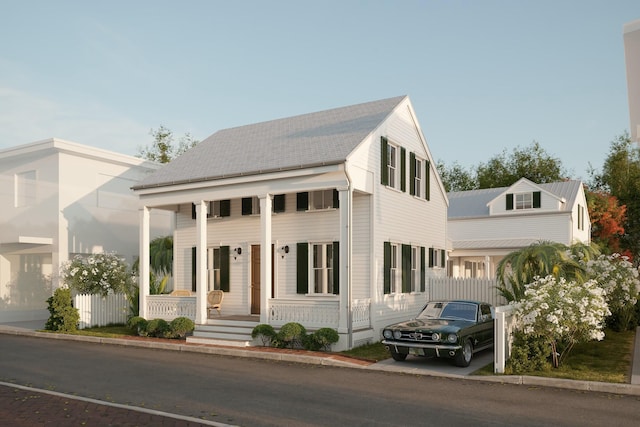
(520, 201)
(524, 201)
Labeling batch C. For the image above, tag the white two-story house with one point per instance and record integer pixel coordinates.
(60, 199)
(485, 225)
(330, 219)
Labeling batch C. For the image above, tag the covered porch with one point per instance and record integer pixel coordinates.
(235, 329)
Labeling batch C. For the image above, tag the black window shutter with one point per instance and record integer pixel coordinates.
(510, 202)
(224, 268)
(302, 268)
(225, 207)
(443, 261)
(427, 180)
(302, 201)
(193, 268)
(423, 274)
(406, 268)
(336, 199)
(403, 169)
(537, 199)
(384, 172)
(387, 267)
(336, 268)
(247, 204)
(412, 174)
(278, 203)
(193, 211)
(430, 257)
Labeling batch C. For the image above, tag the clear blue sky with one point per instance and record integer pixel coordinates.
(483, 76)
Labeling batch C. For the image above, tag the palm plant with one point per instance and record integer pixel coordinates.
(540, 259)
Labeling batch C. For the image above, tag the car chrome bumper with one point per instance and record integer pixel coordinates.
(437, 347)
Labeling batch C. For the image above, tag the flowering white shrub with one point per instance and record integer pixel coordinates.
(97, 274)
(563, 313)
(619, 280)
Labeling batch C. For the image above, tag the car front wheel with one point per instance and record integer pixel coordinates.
(399, 357)
(464, 356)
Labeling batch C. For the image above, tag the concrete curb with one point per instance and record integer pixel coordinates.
(592, 386)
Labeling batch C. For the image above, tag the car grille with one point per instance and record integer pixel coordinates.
(416, 336)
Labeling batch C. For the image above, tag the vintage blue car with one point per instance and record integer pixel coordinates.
(451, 329)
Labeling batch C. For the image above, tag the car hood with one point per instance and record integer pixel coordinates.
(433, 325)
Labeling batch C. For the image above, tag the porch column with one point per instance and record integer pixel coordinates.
(345, 325)
(487, 267)
(265, 255)
(143, 284)
(201, 262)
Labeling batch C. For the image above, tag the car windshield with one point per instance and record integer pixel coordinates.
(450, 310)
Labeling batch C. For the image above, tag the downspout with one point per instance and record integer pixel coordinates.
(349, 241)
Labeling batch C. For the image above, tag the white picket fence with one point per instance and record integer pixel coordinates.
(96, 310)
(471, 289)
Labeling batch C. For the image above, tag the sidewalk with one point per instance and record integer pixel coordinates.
(29, 406)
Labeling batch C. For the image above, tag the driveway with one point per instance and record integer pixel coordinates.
(435, 366)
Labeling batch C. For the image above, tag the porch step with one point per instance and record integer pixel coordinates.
(235, 333)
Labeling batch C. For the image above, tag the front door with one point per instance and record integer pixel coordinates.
(255, 279)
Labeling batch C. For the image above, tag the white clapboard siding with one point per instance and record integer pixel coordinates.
(98, 310)
(471, 289)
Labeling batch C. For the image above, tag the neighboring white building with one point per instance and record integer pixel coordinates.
(345, 203)
(485, 225)
(60, 199)
(631, 34)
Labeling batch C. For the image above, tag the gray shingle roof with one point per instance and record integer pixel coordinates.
(469, 204)
(322, 138)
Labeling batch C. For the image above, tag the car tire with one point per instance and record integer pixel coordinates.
(464, 356)
(398, 357)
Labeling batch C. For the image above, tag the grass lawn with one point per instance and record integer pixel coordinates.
(608, 361)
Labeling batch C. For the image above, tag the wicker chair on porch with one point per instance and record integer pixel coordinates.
(180, 293)
(214, 301)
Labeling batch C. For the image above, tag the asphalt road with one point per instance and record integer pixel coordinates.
(252, 392)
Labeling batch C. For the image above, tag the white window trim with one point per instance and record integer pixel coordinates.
(327, 273)
(416, 259)
(325, 206)
(393, 170)
(395, 268)
(419, 184)
(211, 270)
(523, 201)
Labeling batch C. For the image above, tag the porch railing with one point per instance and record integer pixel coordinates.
(309, 313)
(168, 307)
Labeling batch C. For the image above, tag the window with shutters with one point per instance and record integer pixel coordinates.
(213, 268)
(404, 268)
(251, 205)
(524, 201)
(318, 270)
(394, 268)
(217, 268)
(392, 165)
(317, 200)
(322, 268)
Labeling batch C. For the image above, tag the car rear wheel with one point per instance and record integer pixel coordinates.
(399, 357)
(464, 356)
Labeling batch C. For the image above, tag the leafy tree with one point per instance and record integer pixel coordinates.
(504, 169)
(607, 220)
(163, 148)
(456, 177)
(532, 162)
(620, 177)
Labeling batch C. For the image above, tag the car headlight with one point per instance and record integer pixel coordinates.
(387, 333)
(435, 336)
(452, 338)
(397, 334)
